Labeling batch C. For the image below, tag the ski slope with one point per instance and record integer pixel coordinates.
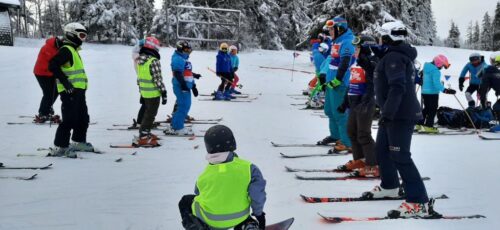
(142, 191)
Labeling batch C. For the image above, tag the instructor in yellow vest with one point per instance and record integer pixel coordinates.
(229, 192)
(71, 80)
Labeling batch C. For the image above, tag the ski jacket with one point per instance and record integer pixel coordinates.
(182, 70)
(394, 84)
(235, 62)
(318, 59)
(342, 57)
(489, 80)
(473, 70)
(47, 52)
(223, 64)
(256, 188)
(432, 79)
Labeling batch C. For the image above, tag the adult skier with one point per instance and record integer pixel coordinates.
(152, 90)
(361, 102)
(71, 79)
(235, 63)
(431, 87)
(400, 110)
(476, 63)
(47, 81)
(230, 193)
(491, 80)
(224, 71)
(336, 83)
(183, 84)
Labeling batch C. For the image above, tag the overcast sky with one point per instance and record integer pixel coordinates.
(460, 11)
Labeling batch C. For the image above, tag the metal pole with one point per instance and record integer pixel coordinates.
(467, 113)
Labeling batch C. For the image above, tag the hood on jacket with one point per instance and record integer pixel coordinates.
(405, 49)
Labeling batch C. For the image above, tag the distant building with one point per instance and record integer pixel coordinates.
(6, 34)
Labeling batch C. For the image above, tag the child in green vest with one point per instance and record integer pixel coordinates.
(230, 193)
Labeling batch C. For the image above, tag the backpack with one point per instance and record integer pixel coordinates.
(451, 118)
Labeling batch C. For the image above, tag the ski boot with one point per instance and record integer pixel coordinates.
(234, 91)
(181, 132)
(340, 148)
(150, 140)
(228, 96)
(189, 119)
(39, 119)
(369, 171)
(418, 128)
(219, 96)
(134, 125)
(61, 152)
(429, 130)
(82, 147)
(379, 192)
(327, 140)
(410, 210)
(352, 165)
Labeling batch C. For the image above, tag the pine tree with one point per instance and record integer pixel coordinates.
(496, 28)
(487, 35)
(476, 42)
(469, 36)
(453, 39)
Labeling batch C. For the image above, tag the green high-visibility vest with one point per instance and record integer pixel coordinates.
(75, 73)
(146, 85)
(223, 201)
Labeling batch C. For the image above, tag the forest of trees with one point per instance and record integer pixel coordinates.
(268, 24)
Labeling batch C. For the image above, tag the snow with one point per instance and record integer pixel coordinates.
(142, 191)
(10, 2)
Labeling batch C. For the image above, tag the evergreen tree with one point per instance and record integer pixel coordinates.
(476, 41)
(469, 36)
(496, 28)
(453, 39)
(487, 33)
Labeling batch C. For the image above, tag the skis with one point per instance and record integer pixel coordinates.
(299, 145)
(33, 123)
(310, 199)
(289, 169)
(32, 177)
(234, 95)
(232, 100)
(350, 177)
(283, 225)
(314, 155)
(450, 132)
(133, 146)
(488, 138)
(336, 220)
(27, 167)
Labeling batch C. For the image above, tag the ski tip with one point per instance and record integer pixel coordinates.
(31, 177)
(426, 178)
(288, 169)
(443, 196)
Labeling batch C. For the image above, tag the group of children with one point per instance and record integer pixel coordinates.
(226, 66)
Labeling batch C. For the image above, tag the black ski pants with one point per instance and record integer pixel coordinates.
(49, 90)
(75, 117)
(225, 81)
(359, 130)
(151, 106)
(431, 103)
(394, 156)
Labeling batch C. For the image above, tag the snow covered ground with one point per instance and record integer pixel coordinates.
(142, 191)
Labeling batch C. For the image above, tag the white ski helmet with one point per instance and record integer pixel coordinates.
(323, 47)
(396, 31)
(75, 31)
(233, 47)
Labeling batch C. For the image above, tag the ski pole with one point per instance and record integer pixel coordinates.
(211, 70)
(467, 113)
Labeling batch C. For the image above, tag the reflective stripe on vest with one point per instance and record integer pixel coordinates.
(223, 201)
(75, 73)
(146, 84)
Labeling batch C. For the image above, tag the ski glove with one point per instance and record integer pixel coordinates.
(163, 97)
(262, 221)
(449, 91)
(197, 75)
(334, 83)
(195, 91)
(461, 84)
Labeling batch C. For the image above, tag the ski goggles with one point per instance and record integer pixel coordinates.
(82, 34)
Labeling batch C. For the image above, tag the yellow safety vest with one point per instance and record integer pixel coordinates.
(224, 201)
(146, 85)
(75, 73)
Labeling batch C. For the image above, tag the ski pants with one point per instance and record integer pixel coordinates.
(151, 106)
(359, 129)
(49, 90)
(183, 101)
(187, 215)
(393, 156)
(75, 117)
(431, 102)
(236, 79)
(337, 121)
(225, 81)
(468, 93)
(140, 114)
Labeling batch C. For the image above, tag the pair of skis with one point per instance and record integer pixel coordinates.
(31, 177)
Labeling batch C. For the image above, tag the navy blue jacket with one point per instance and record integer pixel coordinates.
(394, 84)
(223, 64)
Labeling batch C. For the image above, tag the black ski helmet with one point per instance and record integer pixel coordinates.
(219, 138)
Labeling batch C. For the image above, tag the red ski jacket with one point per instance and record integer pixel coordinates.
(47, 52)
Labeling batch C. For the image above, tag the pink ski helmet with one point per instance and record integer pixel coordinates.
(441, 61)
